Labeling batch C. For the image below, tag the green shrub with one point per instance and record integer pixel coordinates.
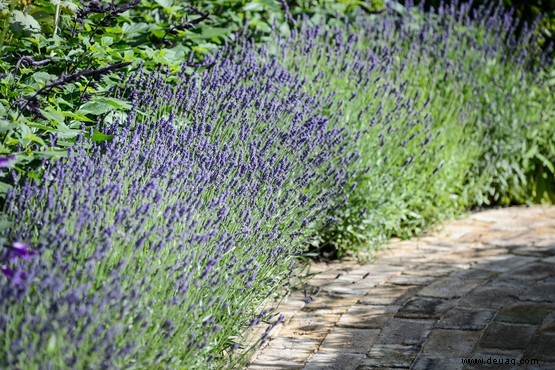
(58, 62)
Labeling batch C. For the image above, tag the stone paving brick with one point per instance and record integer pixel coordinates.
(398, 260)
(449, 343)
(346, 280)
(319, 281)
(485, 251)
(329, 275)
(458, 265)
(385, 269)
(475, 274)
(390, 355)
(389, 294)
(466, 319)
(292, 304)
(496, 238)
(405, 331)
(339, 280)
(275, 365)
(361, 272)
(492, 266)
(448, 287)
(349, 340)
(404, 279)
(507, 336)
(545, 230)
(318, 267)
(366, 316)
(424, 308)
(335, 361)
(436, 246)
(337, 290)
(437, 363)
(419, 259)
(533, 271)
(505, 262)
(548, 325)
(286, 350)
(368, 283)
(296, 298)
(537, 250)
(309, 327)
(323, 304)
(511, 227)
(492, 295)
(548, 243)
(531, 313)
(547, 212)
(462, 260)
(542, 347)
(289, 308)
(431, 269)
(456, 231)
(395, 245)
(493, 216)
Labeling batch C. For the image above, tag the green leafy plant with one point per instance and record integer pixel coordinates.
(56, 73)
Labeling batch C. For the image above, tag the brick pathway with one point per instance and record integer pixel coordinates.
(483, 288)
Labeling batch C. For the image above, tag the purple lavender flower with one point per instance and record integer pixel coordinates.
(21, 250)
(6, 162)
(7, 271)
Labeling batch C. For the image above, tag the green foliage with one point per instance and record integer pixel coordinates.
(55, 73)
(538, 159)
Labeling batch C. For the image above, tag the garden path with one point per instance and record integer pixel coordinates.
(481, 288)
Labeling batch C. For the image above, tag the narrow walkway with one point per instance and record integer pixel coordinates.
(482, 288)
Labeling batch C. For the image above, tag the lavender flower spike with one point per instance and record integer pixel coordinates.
(6, 271)
(21, 250)
(6, 162)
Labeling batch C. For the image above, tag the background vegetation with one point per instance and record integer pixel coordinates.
(527, 11)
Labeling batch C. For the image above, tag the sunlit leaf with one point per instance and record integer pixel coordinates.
(26, 21)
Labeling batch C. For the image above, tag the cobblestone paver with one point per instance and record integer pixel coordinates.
(480, 288)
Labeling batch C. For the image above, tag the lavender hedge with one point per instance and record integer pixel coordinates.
(451, 106)
(158, 248)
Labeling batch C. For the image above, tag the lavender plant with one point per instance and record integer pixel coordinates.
(160, 248)
(446, 105)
